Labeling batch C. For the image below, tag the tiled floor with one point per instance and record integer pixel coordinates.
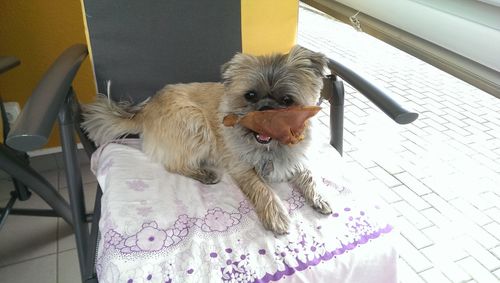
(41, 249)
(441, 174)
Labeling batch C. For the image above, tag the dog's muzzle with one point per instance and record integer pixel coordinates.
(267, 104)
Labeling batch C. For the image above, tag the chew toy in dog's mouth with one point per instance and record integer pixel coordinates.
(284, 125)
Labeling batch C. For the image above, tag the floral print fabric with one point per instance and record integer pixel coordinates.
(161, 227)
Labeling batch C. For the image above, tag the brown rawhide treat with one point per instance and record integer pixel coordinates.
(284, 125)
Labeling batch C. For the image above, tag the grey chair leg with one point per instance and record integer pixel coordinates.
(74, 179)
(90, 148)
(7, 209)
(22, 191)
(18, 169)
(94, 234)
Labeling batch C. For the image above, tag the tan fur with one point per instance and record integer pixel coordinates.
(182, 128)
(188, 111)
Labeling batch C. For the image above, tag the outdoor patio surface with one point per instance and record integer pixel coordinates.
(440, 174)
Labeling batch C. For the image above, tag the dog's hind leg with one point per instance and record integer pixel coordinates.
(205, 175)
(182, 141)
(204, 172)
(305, 183)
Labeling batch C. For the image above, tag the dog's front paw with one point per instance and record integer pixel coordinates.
(322, 206)
(275, 218)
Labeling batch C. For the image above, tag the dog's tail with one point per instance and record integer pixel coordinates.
(105, 120)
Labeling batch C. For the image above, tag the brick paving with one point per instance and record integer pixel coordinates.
(440, 174)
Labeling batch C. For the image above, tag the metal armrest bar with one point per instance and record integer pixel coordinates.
(374, 93)
(33, 126)
(34, 212)
(333, 91)
(7, 63)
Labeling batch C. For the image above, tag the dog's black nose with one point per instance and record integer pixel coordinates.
(267, 107)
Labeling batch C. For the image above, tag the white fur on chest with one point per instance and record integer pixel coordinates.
(278, 165)
(287, 160)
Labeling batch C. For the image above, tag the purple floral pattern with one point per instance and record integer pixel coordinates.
(144, 211)
(234, 264)
(137, 185)
(151, 238)
(214, 240)
(245, 207)
(217, 220)
(330, 184)
(296, 200)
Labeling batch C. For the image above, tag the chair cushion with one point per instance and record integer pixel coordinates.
(161, 227)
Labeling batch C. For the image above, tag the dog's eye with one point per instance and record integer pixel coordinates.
(251, 96)
(287, 100)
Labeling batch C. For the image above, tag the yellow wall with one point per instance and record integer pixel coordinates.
(37, 31)
(268, 25)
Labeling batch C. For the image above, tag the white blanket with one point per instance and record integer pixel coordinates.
(162, 227)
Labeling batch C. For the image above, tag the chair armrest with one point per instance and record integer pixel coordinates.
(7, 63)
(380, 97)
(33, 126)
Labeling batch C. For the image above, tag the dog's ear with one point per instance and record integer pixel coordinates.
(233, 67)
(304, 58)
(224, 71)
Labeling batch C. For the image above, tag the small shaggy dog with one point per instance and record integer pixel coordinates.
(182, 128)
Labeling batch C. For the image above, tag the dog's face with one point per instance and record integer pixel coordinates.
(255, 83)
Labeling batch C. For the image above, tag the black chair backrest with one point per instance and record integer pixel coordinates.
(140, 46)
